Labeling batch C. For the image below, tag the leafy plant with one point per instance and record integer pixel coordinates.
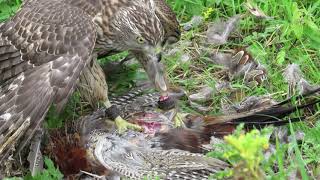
(56, 120)
(50, 173)
(245, 153)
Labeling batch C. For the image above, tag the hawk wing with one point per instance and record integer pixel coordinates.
(43, 49)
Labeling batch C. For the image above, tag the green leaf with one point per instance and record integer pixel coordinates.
(298, 156)
(312, 32)
(281, 57)
(297, 23)
(50, 173)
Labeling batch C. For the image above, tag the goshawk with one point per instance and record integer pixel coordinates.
(47, 44)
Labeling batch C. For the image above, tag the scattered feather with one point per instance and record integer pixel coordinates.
(193, 23)
(185, 58)
(199, 108)
(305, 87)
(282, 134)
(292, 74)
(257, 76)
(255, 11)
(227, 107)
(223, 86)
(241, 64)
(203, 95)
(296, 81)
(219, 32)
(248, 104)
(221, 59)
(270, 151)
(255, 102)
(299, 136)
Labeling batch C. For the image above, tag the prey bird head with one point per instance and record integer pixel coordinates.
(138, 30)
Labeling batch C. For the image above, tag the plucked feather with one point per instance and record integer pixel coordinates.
(35, 157)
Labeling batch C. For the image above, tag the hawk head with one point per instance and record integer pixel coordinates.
(138, 30)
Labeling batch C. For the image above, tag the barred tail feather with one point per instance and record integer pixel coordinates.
(267, 115)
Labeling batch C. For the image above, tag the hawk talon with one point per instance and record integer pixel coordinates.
(178, 120)
(176, 117)
(123, 125)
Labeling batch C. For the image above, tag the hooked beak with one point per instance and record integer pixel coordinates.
(155, 72)
(154, 69)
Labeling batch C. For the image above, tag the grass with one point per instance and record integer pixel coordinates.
(8, 8)
(275, 43)
(291, 36)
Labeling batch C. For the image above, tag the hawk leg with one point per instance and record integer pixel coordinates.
(178, 120)
(122, 125)
(93, 88)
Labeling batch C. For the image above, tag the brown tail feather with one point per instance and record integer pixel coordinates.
(267, 115)
(184, 139)
(220, 126)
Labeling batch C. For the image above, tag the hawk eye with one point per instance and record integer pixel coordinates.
(140, 40)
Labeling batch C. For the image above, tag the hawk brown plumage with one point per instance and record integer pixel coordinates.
(47, 44)
(92, 85)
(169, 21)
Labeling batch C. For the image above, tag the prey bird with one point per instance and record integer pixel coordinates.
(161, 150)
(131, 155)
(47, 44)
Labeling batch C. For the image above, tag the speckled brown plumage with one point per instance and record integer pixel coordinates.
(134, 155)
(92, 85)
(169, 21)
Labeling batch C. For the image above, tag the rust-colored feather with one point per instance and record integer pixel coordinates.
(68, 153)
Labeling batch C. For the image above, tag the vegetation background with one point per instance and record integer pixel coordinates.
(292, 35)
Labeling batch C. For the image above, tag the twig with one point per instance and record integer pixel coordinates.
(93, 175)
